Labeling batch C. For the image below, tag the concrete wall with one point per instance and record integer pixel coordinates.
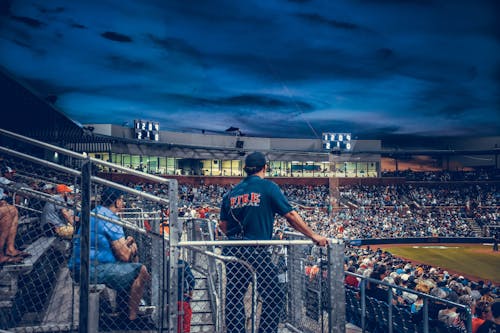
(199, 180)
(211, 146)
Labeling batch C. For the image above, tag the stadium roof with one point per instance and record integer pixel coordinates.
(404, 72)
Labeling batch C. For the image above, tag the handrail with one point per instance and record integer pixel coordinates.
(212, 274)
(253, 242)
(47, 198)
(41, 144)
(83, 156)
(244, 263)
(40, 161)
(96, 179)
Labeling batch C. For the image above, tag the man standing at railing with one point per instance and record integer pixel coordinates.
(247, 213)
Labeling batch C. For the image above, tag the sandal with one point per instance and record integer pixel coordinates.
(20, 254)
(11, 260)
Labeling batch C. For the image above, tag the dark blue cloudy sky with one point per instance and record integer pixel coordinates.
(282, 68)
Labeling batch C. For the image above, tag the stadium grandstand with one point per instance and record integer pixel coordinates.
(173, 188)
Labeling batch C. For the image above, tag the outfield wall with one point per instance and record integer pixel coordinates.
(421, 240)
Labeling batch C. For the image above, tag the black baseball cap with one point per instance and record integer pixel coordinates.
(255, 160)
(110, 195)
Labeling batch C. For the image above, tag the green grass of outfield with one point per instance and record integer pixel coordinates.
(478, 261)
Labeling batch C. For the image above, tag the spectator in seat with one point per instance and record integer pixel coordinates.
(350, 280)
(8, 222)
(113, 257)
(493, 325)
(58, 219)
(48, 188)
(450, 316)
(482, 313)
(376, 290)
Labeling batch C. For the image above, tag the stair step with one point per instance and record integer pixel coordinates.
(201, 318)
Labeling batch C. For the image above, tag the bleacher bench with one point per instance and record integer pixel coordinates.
(36, 249)
(10, 273)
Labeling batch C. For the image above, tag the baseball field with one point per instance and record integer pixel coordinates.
(474, 261)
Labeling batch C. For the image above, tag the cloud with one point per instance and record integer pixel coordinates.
(5, 7)
(77, 25)
(176, 45)
(116, 37)
(247, 102)
(45, 10)
(33, 23)
(377, 68)
(316, 18)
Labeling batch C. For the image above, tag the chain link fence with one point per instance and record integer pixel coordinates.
(83, 254)
(266, 286)
(54, 211)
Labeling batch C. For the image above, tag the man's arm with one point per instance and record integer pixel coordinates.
(298, 224)
(124, 250)
(68, 215)
(223, 226)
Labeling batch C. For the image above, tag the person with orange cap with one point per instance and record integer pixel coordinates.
(56, 219)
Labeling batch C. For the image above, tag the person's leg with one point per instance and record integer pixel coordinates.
(11, 235)
(6, 220)
(270, 291)
(188, 314)
(136, 292)
(184, 317)
(237, 281)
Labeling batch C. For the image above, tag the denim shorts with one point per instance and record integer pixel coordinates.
(118, 276)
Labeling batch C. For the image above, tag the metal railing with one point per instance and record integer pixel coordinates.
(15, 313)
(256, 257)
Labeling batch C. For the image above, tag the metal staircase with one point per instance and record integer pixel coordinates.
(202, 320)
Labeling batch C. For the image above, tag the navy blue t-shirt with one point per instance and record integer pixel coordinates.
(254, 202)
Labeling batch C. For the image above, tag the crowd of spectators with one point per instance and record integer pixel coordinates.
(394, 211)
(465, 195)
(479, 296)
(444, 176)
(372, 211)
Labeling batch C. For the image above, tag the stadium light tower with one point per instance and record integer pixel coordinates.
(335, 144)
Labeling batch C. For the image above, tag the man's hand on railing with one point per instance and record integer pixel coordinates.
(319, 240)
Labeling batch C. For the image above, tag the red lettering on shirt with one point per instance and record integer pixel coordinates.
(247, 199)
(255, 198)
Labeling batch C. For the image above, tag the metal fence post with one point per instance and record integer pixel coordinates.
(84, 323)
(426, 315)
(157, 285)
(336, 316)
(362, 286)
(175, 232)
(295, 277)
